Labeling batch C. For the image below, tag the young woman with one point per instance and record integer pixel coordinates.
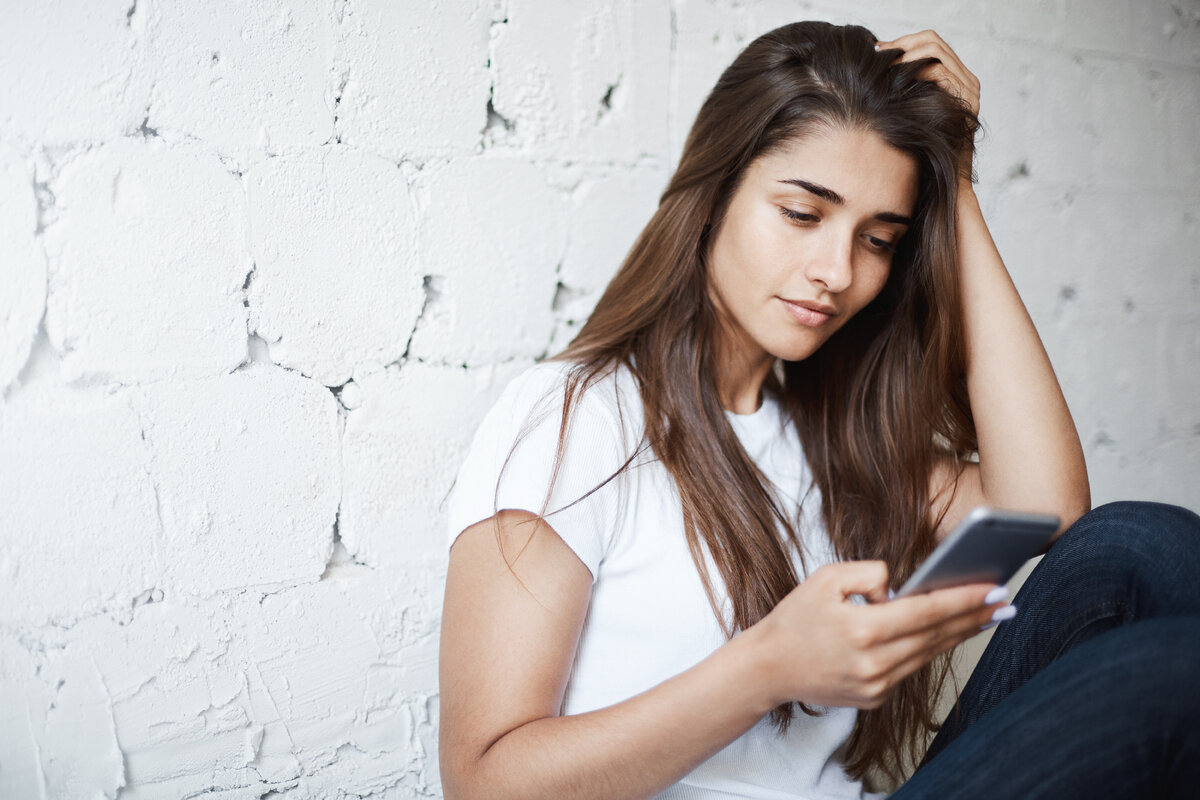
(658, 537)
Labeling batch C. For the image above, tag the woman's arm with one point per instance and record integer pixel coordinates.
(1030, 456)
(508, 643)
(509, 633)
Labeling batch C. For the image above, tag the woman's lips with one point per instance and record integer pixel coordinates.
(812, 315)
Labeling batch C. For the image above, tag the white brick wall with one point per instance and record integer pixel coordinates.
(264, 264)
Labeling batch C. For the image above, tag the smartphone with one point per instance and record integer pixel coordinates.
(988, 546)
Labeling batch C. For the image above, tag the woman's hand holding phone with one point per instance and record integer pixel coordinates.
(817, 646)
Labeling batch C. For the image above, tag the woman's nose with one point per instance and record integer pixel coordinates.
(830, 263)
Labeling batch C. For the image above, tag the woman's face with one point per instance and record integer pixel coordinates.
(807, 241)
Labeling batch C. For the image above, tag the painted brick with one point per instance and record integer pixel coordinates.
(147, 263)
(412, 78)
(335, 281)
(78, 515)
(73, 72)
(398, 472)
(607, 212)
(592, 91)
(230, 518)
(242, 74)
(492, 237)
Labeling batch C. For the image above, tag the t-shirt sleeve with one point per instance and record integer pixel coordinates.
(510, 464)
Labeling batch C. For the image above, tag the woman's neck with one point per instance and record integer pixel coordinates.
(742, 365)
(740, 381)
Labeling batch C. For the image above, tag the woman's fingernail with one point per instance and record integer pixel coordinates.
(999, 615)
(876, 47)
(996, 595)
(1003, 613)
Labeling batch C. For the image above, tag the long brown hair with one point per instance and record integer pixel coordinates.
(874, 406)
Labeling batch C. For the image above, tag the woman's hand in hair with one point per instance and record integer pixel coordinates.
(949, 71)
(817, 646)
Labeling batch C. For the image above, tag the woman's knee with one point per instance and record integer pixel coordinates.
(1149, 552)
(1142, 513)
(1158, 529)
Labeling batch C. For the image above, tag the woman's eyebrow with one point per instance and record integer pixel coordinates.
(820, 191)
(825, 193)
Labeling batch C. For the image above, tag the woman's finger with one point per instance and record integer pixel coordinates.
(939, 51)
(920, 658)
(949, 73)
(946, 60)
(910, 653)
(934, 45)
(918, 36)
(914, 40)
(923, 614)
(955, 636)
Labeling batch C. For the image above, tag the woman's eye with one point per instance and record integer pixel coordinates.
(880, 245)
(797, 216)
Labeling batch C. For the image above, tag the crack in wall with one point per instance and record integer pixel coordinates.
(563, 296)
(340, 556)
(123, 778)
(497, 124)
(496, 127)
(432, 285)
(161, 532)
(145, 130)
(57, 691)
(46, 205)
(1020, 170)
(246, 286)
(339, 93)
(606, 102)
(258, 349)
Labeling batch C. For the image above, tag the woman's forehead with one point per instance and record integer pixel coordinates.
(856, 165)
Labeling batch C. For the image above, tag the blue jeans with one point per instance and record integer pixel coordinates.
(1093, 690)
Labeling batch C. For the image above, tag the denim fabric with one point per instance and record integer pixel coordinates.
(1094, 689)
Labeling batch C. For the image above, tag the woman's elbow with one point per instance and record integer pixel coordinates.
(467, 771)
(460, 773)
(1070, 507)
(1078, 498)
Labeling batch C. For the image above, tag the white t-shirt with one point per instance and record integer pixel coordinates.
(649, 617)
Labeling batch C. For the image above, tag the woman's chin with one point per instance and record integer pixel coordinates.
(796, 351)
